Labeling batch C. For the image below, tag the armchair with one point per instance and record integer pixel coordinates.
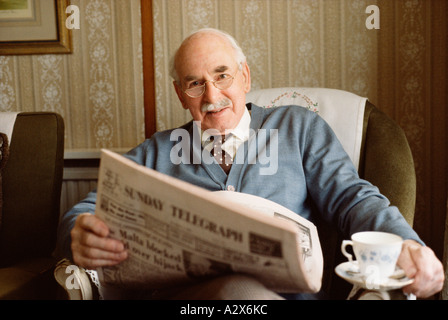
(30, 193)
(376, 145)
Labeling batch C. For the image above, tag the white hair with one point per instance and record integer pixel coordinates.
(239, 55)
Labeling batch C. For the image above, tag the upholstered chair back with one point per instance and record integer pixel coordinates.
(31, 176)
(376, 145)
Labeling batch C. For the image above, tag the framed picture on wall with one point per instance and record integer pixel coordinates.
(34, 27)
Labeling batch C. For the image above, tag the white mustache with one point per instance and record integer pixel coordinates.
(207, 107)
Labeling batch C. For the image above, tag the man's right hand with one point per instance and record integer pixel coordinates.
(91, 248)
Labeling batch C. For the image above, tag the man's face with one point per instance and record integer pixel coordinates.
(207, 57)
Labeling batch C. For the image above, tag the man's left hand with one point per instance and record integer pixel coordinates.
(421, 264)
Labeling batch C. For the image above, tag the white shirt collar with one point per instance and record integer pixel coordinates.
(238, 135)
(241, 131)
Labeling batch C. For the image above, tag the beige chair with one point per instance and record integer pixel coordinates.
(31, 172)
(376, 145)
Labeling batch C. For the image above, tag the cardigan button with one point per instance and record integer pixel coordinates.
(230, 188)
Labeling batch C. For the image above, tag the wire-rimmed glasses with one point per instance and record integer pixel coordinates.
(197, 88)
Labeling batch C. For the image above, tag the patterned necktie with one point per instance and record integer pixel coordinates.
(222, 157)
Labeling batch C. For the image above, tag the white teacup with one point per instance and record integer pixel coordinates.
(376, 253)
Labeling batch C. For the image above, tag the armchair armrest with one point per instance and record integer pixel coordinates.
(78, 283)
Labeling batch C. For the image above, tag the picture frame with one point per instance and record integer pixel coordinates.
(34, 27)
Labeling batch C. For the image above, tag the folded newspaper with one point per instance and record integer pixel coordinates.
(177, 233)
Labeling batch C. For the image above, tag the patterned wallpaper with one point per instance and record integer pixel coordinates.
(98, 89)
(287, 43)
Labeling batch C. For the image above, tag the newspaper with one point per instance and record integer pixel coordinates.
(177, 233)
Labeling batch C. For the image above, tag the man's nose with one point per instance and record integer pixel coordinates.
(211, 94)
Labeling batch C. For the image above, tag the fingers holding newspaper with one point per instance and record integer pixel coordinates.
(91, 247)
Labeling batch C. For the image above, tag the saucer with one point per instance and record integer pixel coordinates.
(349, 271)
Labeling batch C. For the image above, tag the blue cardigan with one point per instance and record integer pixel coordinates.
(292, 157)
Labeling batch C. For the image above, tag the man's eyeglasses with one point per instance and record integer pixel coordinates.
(222, 82)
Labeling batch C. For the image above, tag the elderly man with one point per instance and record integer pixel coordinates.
(212, 78)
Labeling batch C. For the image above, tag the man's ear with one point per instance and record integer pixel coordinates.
(246, 76)
(179, 94)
